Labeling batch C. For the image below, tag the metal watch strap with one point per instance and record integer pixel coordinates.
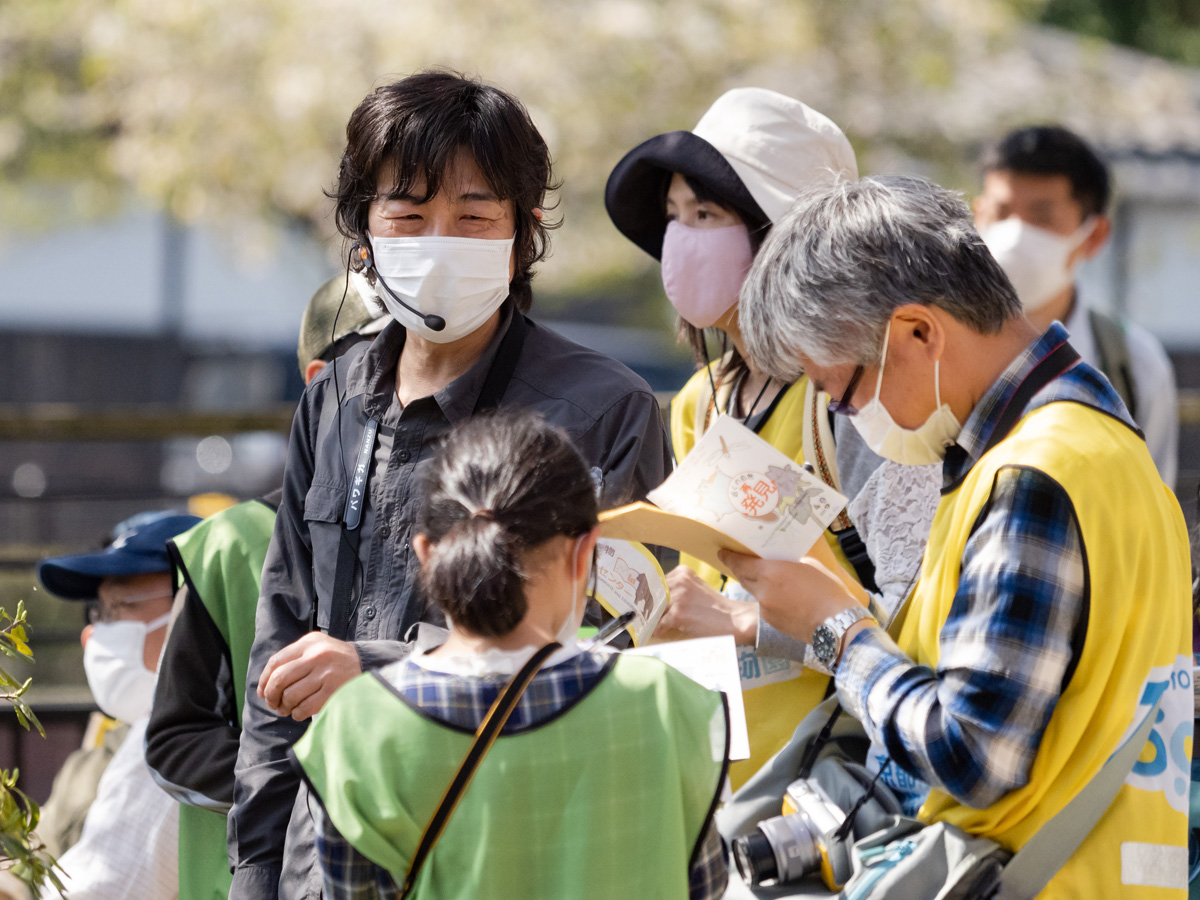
(840, 623)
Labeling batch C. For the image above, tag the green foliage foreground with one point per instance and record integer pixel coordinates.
(21, 851)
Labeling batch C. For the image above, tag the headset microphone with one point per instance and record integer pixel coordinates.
(432, 322)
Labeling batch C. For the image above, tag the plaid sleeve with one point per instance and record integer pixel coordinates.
(348, 875)
(973, 726)
(709, 875)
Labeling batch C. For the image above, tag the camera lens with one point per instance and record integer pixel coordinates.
(755, 859)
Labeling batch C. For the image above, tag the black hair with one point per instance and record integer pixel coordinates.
(1053, 150)
(501, 484)
(735, 367)
(417, 126)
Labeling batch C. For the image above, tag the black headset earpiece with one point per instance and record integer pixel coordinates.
(363, 252)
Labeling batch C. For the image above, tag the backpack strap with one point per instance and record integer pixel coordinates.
(1113, 349)
(1031, 869)
(821, 450)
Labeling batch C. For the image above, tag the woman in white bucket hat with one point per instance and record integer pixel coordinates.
(702, 202)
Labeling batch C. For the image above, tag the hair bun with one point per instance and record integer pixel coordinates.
(501, 484)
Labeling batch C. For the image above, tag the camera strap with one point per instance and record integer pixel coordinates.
(485, 735)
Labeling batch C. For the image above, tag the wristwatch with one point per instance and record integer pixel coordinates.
(827, 639)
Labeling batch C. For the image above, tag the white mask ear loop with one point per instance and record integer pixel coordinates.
(160, 622)
(883, 359)
(566, 632)
(1086, 228)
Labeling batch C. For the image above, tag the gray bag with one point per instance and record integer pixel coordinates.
(905, 859)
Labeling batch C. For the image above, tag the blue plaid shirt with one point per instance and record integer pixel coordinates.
(973, 726)
(348, 875)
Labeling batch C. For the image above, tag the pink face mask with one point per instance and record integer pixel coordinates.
(703, 270)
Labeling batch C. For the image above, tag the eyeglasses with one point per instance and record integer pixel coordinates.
(97, 612)
(843, 407)
(124, 605)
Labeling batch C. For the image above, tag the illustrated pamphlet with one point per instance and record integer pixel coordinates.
(733, 491)
(713, 663)
(629, 579)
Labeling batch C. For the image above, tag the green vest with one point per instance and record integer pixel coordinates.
(607, 799)
(221, 560)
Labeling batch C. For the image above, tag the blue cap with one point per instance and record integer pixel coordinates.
(139, 548)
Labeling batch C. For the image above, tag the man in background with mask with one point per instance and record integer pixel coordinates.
(128, 847)
(1053, 609)
(1042, 213)
(441, 189)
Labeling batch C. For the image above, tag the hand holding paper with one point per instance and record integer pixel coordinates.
(698, 610)
(734, 491)
(795, 597)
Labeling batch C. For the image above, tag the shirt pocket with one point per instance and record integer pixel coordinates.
(324, 505)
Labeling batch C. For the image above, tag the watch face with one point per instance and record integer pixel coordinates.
(824, 644)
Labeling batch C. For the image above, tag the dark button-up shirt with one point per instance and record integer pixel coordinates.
(609, 412)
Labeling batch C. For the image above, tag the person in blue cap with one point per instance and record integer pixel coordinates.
(127, 847)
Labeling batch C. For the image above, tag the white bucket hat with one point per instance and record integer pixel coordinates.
(755, 149)
(778, 146)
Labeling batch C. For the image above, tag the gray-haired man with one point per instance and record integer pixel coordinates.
(1052, 608)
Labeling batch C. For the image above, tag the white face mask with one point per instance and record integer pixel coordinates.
(112, 660)
(462, 280)
(1034, 259)
(920, 447)
(569, 631)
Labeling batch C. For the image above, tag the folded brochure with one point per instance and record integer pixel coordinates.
(734, 491)
(629, 579)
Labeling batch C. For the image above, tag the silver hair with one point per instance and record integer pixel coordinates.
(847, 255)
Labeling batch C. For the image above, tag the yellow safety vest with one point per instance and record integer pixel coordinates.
(775, 707)
(1137, 646)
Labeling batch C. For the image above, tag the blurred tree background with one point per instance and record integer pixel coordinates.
(1167, 28)
(233, 111)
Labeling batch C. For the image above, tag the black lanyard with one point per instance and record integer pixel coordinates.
(749, 415)
(495, 383)
(1050, 367)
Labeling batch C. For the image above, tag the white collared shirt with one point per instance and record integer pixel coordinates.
(129, 848)
(1153, 385)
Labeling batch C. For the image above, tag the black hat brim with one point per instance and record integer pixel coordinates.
(634, 195)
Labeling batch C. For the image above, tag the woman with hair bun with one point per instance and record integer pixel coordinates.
(604, 757)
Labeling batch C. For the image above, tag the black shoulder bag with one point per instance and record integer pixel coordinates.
(485, 735)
